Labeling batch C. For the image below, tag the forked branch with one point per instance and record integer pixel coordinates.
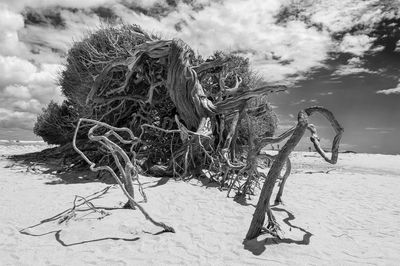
(263, 205)
(128, 173)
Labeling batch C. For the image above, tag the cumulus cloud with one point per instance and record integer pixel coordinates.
(15, 70)
(356, 27)
(16, 119)
(10, 24)
(354, 66)
(22, 78)
(276, 51)
(25, 85)
(340, 16)
(31, 54)
(356, 44)
(31, 106)
(17, 91)
(25, 89)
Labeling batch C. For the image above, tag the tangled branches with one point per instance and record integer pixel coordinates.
(79, 204)
(189, 113)
(127, 170)
(176, 114)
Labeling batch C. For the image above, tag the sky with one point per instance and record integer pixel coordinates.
(340, 54)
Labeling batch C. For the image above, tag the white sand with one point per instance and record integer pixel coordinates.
(350, 215)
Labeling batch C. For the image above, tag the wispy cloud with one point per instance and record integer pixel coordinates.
(395, 90)
(380, 128)
(326, 93)
(353, 67)
(312, 101)
(299, 102)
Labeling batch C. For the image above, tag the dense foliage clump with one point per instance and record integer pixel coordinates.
(56, 123)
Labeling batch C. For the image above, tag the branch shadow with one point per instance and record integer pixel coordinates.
(207, 182)
(58, 218)
(162, 181)
(257, 247)
(55, 168)
(306, 237)
(59, 240)
(202, 181)
(242, 200)
(57, 236)
(75, 177)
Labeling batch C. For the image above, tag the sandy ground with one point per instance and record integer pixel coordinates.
(344, 214)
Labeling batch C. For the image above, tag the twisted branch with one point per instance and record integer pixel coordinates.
(263, 205)
(128, 173)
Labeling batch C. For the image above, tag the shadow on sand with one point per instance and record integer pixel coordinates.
(56, 169)
(257, 247)
(57, 233)
(59, 240)
(84, 206)
(242, 200)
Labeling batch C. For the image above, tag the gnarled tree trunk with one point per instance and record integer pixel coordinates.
(263, 205)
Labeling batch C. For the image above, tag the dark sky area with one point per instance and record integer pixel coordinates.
(371, 120)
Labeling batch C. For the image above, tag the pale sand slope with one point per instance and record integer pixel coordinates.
(349, 216)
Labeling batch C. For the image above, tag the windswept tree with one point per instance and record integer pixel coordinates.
(152, 105)
(126, 78)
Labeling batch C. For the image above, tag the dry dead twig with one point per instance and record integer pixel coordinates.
(128, 172)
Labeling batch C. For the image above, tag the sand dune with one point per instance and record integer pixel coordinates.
(344, 214)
